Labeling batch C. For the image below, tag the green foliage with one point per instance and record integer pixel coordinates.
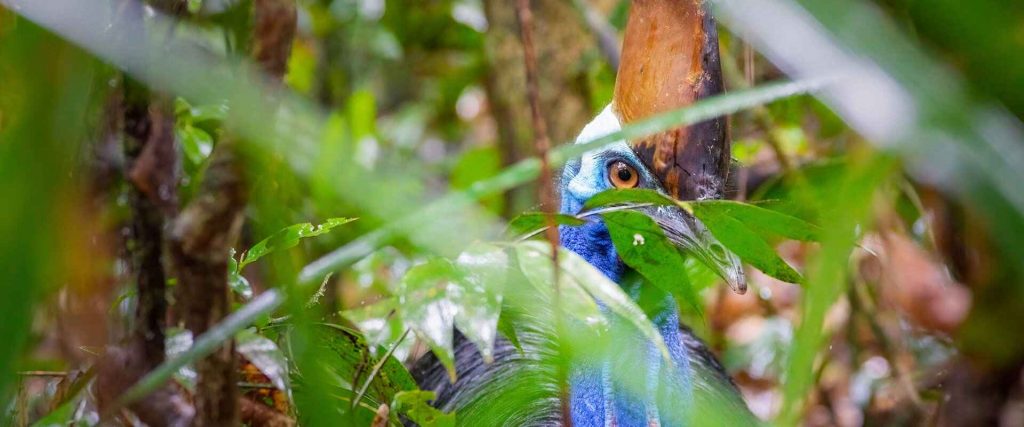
(577, 279)
(643, 246)
(741, 238)
(416, 405)
(349, 362)
(288, 238)
(388, 82)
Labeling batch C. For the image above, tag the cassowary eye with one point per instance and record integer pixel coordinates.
(622, 175)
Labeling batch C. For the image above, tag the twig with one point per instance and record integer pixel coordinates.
(376, 369)
(547, 197)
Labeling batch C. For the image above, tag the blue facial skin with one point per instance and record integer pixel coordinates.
(594, 399)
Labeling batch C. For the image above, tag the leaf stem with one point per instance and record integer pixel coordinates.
(376, 368)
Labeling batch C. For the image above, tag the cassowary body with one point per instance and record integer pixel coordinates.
(521, 388)
(670, 59)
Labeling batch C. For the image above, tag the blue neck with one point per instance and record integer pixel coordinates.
(595, 400)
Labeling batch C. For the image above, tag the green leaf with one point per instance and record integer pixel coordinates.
(416, 405)
(745, 242)
(478, 297)
(288, 238)
(195, 143)
(579, 279)
(238, 283)
(628, 196)
(643, 246)
(379, 322)
(534, 260)
(266, 356)
(349, 358)
(766, 222)
(533, 221)
(426, 308)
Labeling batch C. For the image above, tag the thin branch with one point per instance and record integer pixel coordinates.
(376, 369)
(546, 187)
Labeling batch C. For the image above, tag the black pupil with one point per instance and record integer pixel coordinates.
(624, 173)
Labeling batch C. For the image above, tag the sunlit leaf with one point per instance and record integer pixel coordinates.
(426, 308)
(264, 354)
(534, 260)
(288, 238)
(643, 246)
(416, 405)
(238, 283)
(379, 322)
(479, 294)
(195, 143)
(580, 285)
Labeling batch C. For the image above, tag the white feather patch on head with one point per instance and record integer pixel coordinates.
(589, 180)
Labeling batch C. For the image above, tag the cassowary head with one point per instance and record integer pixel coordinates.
(669, 60)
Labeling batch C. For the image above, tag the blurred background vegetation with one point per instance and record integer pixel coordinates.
(389, 105)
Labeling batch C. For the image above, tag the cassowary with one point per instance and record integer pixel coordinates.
(670, 59)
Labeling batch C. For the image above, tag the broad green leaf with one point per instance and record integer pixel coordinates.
(478, 297)
(195, 143)
(747, 244)
(643, 246)
(288, 238)
(579, 279)
(379, 322)
(266, 356)
(533, 221)
(349, 358)
(534, 260)
(426, 308)
(627, 196)
(766, 222)
(506, 327)
(416, 405)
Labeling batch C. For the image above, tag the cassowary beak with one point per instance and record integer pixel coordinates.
(693, 238)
